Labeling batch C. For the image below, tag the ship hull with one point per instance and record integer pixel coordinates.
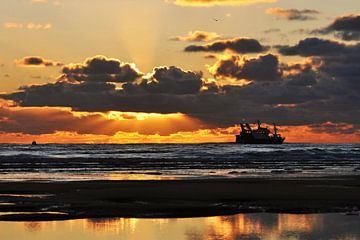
(241, 140)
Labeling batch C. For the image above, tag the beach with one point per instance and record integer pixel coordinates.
(36, 201)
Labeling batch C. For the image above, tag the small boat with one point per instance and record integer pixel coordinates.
(260, 135)
(353, 212)
(34, 143)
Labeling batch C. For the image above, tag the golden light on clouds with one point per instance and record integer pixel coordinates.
(209, 3)
(293, 14)
(61, 125)
(301, 134)
(198, 36)
(227, 80)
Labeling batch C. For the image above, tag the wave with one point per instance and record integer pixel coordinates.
(194, 158)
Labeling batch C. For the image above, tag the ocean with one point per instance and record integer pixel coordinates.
(81, 162)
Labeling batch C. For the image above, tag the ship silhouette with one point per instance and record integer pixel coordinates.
(260, 135)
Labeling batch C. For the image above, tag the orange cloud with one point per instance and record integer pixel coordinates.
(294, 134)
(317, 134)
(47, 121)
(62, 125)
(209, 3)
(293, 14)
(197, 36)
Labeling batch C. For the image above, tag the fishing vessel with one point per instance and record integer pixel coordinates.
(261, 135)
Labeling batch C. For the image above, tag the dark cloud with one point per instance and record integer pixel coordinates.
(308, 77)
(35, 61)
(264, 68)
(293, 14)
(164, 87)
(168, 80)
(318, 47)
(297, 94)
(101, 69)
(237, 45)
(346, 27)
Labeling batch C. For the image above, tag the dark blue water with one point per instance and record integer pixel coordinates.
(163, 161)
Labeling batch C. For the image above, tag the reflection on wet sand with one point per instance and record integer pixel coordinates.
(269, 226)
(112, 225)
(241, 226)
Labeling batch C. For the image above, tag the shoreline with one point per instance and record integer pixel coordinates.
(48, 201)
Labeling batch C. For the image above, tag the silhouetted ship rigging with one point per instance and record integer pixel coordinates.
(258, 136)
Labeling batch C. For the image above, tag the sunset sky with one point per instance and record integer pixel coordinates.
(133, 71)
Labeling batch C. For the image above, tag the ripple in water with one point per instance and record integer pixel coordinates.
(111, 161)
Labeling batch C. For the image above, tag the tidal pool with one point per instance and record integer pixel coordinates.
(241, 226)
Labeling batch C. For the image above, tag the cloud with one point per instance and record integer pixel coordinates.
(210, 3)
(334, 59)
(101, 69)
(197, 36)
(167, 80)
(346, 27)
(293, 14)
(237, 45)
(52, 120)
(263, 68)
(36, 61)
(289, 94)
(318, 47)
(272, 30)
(29, 26)
(210, 56)
(335, 128)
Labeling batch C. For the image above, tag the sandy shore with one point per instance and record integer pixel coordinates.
(31, 201)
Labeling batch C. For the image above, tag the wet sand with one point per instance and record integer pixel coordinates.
(176, 198)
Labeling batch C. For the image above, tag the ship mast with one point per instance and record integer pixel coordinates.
(275, 129)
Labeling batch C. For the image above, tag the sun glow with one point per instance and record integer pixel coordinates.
(114, 115)
(63, 125)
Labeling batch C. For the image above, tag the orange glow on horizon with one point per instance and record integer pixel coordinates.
(62, 125)
(299, 134)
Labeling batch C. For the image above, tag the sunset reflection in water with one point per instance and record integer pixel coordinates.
(241, 226)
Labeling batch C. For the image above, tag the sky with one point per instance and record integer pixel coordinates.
(135, 71)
